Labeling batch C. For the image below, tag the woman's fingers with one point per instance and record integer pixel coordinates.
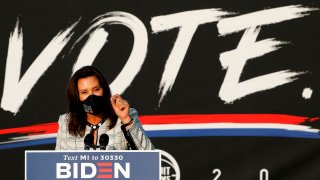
(118, 102)
(121, 107)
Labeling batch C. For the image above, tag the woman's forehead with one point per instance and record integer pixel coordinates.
(88, 82)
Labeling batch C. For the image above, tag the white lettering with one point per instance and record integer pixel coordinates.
(188, 23)
(98, 38)
(91, 166)
(63, 170)
(124, 172)
(75, 170)
(217, 173)
(235, 60)
(264, 174)
(16, 91)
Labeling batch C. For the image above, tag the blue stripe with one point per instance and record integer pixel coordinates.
(191, 133)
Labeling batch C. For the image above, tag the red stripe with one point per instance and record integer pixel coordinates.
(104, 164)
(105, 170)
(107, 176)
(177, 119)
(47, 128)
(220, 118)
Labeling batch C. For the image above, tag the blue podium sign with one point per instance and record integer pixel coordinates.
(134, 165)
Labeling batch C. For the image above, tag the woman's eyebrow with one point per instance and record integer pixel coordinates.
(81, 90)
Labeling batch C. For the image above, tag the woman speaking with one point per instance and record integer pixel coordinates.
(95, 118)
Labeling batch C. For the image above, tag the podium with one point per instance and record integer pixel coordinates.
(53, 165)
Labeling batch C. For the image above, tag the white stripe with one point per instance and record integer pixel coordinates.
(263, 17)
(29, 138)
(230, 126)
(163, 127)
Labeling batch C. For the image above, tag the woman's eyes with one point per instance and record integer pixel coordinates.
(94, 90)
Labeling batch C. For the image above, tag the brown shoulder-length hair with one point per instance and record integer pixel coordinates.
(77, 115)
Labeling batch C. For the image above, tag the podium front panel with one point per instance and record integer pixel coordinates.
(134, 165)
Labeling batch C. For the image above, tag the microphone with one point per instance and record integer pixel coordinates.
(88, 141)
(103, 141)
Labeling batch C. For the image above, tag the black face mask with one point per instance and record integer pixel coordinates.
(94, 104)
